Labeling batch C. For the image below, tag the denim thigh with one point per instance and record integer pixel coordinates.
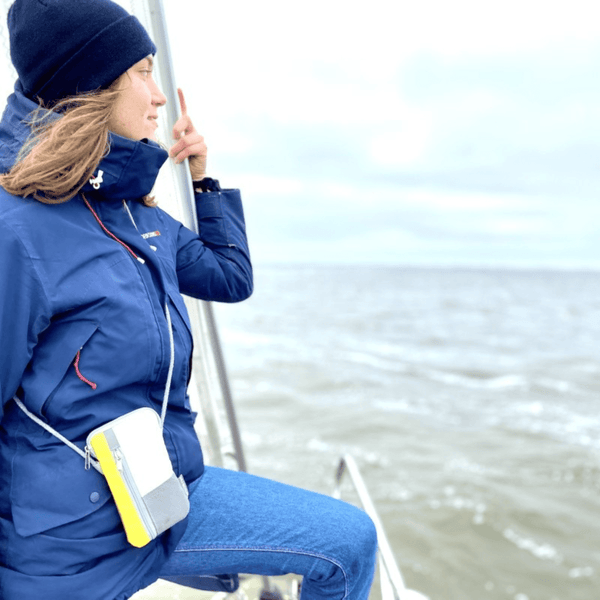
(240, 523)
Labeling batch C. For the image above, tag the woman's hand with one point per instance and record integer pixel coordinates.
(190, 144)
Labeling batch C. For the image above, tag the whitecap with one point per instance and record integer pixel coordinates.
(578, 572)
(557, 385)
(364, 358)
(476, 382)
(541, 551)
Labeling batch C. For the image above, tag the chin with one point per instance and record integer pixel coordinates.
(147, 135)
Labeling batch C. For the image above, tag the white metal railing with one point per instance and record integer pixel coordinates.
(391, 582)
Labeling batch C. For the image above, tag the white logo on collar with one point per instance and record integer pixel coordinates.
(96, 181)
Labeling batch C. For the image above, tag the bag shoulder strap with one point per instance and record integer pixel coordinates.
(85, 454)
(88, 459)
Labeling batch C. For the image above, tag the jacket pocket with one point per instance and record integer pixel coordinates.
(54, 357)
(81, 376)
(50, 485)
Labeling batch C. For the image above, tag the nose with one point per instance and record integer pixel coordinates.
(158, 98)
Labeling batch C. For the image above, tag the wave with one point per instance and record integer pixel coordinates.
(542, 551)
(476, 380)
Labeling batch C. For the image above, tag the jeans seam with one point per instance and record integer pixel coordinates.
(229, 580)
(283, 550)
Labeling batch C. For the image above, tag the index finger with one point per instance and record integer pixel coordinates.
(182, 102)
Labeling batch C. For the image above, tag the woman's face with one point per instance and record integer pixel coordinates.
(136, 107)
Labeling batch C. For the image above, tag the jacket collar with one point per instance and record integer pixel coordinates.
(128, 171)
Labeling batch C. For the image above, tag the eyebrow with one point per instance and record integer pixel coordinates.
(150, 60)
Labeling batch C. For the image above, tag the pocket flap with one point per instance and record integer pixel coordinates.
(57, 475)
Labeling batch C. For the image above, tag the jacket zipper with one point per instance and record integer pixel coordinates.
(110, 234)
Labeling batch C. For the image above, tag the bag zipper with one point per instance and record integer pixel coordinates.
(123, 468)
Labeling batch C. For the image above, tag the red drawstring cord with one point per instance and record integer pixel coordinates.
(76, 365)
(114, 237)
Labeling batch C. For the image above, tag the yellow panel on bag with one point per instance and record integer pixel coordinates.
(134, 528)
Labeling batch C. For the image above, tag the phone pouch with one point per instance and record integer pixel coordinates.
(134, 459)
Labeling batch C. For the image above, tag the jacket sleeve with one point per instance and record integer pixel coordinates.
(24, 310)
(215, 265)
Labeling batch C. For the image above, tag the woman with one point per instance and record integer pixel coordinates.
(88, 265)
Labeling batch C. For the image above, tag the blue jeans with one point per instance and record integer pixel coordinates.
(240, 523)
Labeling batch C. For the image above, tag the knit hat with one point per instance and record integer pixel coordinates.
(64, 47)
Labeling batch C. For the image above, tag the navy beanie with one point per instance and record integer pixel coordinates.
(64, 47)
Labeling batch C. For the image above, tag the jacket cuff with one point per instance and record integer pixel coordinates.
(221, 218)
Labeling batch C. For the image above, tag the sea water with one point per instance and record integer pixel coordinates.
(469, 398)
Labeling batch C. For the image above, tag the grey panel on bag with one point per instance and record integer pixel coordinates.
(167, 504)
(111, 439)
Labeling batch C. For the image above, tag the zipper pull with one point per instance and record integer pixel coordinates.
(88, 458)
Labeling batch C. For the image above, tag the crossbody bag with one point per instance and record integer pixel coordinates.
(130, 452)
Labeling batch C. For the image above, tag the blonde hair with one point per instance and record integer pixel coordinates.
(62, 154)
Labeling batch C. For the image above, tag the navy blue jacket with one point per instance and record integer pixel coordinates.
(85, 340)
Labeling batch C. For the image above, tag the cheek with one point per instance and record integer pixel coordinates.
(142, 106)
(130, 111)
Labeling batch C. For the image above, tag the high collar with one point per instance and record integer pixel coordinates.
(128, 171)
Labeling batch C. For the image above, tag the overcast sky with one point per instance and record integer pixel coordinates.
(429, 132)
